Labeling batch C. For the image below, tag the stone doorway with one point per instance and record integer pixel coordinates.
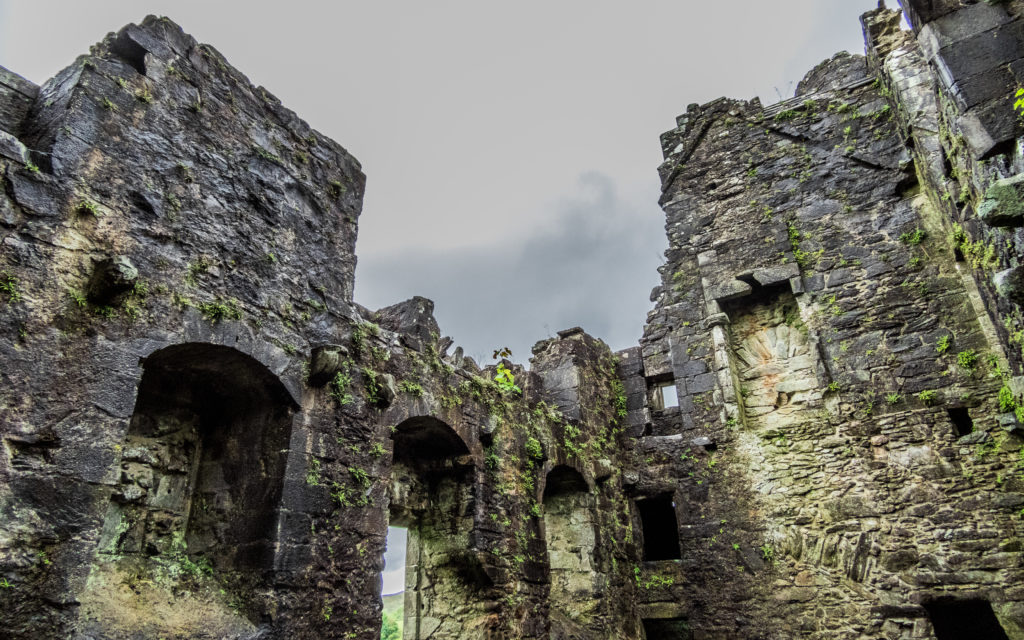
(432, 497)
(659, 528)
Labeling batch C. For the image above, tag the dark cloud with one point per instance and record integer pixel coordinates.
(592, 265)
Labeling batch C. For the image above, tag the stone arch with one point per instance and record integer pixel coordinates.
(570, 534)
(432, 496)
(200, 485)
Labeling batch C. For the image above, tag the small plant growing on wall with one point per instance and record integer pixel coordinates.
(967, 359)
(503, 378)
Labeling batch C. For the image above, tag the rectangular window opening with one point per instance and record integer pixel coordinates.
(659, 527)
(961, 419)
(669, 397)
(662, 392)
(393, 577)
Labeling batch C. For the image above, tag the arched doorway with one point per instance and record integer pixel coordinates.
(432, 497)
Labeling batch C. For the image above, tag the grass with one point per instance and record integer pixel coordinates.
(339, 388)
(221, 310)
(9, 287)
(410, 387)
(913, 238)
(967, 359)
(87, 208)
(336, 189)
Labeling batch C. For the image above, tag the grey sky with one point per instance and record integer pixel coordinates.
(394, 561)
(510, 148)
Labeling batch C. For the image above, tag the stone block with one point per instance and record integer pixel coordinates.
(774, 275)
(1010, 284)
(112, 277)
(982, 52)
(16, 98)
(325, 361)
(701, 384)
(728, 290)
(1003, 205)
(960, 25)
(12, 149)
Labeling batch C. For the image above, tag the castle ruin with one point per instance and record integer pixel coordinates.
(820, 435)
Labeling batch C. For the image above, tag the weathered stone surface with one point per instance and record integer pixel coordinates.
(326, 361)
(827, 378)
(111, 278)
(12, 149)
(1003, 205)
(16, 98)
(1010, 284)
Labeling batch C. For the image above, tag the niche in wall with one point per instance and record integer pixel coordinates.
(570, 532)
(773, 356)
(201, 477)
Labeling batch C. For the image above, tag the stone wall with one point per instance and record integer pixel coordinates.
(818, 436)
(824, 338)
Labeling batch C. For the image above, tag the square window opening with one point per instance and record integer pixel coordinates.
(661, 392)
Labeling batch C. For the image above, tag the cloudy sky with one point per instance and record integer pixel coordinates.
(510, 148)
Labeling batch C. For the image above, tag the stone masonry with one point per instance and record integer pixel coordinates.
(819, 435)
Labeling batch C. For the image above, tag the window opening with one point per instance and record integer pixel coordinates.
(393, 579)
(669, 396)
(662, 392)
(660, 528)
(962, 423)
